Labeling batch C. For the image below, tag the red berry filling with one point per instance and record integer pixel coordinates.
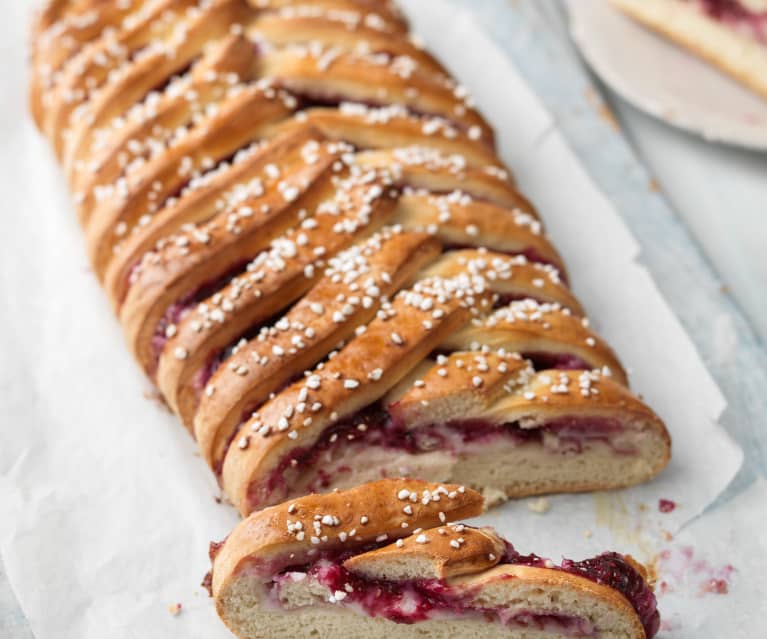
(375, 427)
(612, 569)
(737, 16)
(411, 601)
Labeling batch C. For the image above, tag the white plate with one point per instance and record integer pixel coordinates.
(665, 80)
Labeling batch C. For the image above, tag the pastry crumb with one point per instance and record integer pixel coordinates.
(540, 506)
(493, 496)
(587, 533)
(175, 609)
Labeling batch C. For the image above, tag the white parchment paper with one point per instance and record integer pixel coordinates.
(105, 509)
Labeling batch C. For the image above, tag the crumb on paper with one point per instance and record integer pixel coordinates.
(493, 496)
(603, 110)
(540, 506)
(587, 533)
(175, 609)
(654, 186)
(221, 498)
(154, 396)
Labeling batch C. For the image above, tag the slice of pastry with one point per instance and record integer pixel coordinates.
(386, 560)
(731, 34)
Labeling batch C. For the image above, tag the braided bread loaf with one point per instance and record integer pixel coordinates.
(384, 560)
(302, 224)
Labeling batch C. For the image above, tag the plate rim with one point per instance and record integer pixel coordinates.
(732, 135)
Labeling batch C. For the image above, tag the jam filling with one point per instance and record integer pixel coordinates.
(737, 16)
(375, 427)
(411, 601)
(217, 357)
(557, 361)
(180, 309)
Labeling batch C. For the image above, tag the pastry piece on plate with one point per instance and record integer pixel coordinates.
(387, 559)
(731, 34)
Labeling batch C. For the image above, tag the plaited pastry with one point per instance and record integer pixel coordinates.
(731, 34)
(302, 224)
(387, 560)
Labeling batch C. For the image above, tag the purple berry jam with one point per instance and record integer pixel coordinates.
(375, 427)
(727, 8)
(179, 309)
(611, 569)
(736, 15)
(411, 601)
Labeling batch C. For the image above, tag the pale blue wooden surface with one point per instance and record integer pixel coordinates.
(534, 34)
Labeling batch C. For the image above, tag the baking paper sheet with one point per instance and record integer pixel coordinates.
(106, 510)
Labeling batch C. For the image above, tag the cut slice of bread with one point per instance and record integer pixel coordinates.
(382, 560)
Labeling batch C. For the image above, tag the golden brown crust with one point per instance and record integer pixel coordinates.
(424, 170)
(233, 59)
(362, 372)
(193, 258)
(87, 75)
(232, 128)
(160, 120)
(324, 318)
(169, 52)
(540, 331)
(459, 220)
(462, 385)
(553, 393)
(380, 14)
(307, 24)
(489, 386)
(62, 28)
(256, 296)
(438, 553)
(511, 277)
(223, 191)
(322, 74)
(546, 578)
(224, 152)
(395, 127)
(365, 514)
